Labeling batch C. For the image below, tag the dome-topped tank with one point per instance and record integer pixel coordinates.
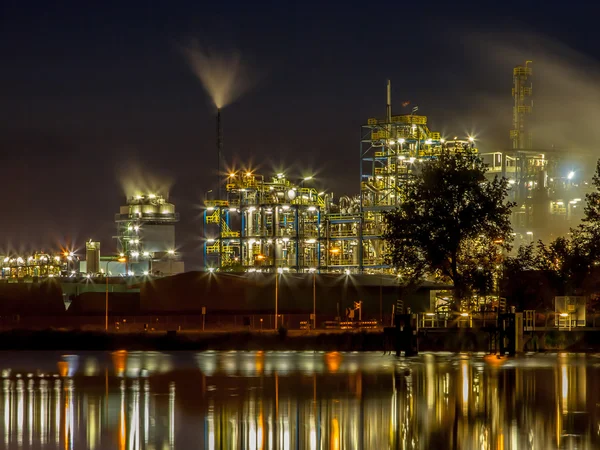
(149, 209)
(167, 208)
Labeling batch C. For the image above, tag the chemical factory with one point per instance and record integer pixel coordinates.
(146, 235)
(278, 223)
(145, 244)
(274, 223)
(548, 185)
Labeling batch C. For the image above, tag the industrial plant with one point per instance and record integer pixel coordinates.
(548, 185)
(146, 234)
(145, 243)
(260, 222)
(273, 222)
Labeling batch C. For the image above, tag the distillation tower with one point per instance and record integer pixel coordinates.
(548, 185)
(146, 233)
(391, 150)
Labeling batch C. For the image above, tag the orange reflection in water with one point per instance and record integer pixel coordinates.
(260, 362)
(450, 402)
(333, 361)
(119, 359)
(334, 443)
(63, 368)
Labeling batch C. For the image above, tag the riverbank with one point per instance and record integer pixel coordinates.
(451, 340)
(191, 341)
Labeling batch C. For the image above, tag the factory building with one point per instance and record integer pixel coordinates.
(267, 223)
(548, 185)
(38, 264)
(146, 235)
(275, 223)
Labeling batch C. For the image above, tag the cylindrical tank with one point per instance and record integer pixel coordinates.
(124, 210)
(149, 209)
(249, 223)
(167, 208)
(355, 256)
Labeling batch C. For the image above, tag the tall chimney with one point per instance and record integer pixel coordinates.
(388, 112)
(219, 153)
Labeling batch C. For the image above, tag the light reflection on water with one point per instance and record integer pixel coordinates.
(298, 400)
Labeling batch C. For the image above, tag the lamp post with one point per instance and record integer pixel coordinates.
(121, 259)
(276, 296)
(302, 181)
(314, 300)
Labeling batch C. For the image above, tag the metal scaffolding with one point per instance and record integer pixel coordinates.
(264, 225)
(274, 224)
(548, 185)
(391, 152)
(146, 229)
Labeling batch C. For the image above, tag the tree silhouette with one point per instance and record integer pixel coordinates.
(452, 224)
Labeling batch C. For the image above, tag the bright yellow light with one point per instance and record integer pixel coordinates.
(335, 250)
(260, 257)
(231, 175)
(122, 259)
(152, 196)
(248, 174)
(171, 252)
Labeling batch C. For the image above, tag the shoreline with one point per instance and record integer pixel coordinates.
(320, 340)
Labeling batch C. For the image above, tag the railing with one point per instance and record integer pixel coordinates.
(532, 320)
(167, 217)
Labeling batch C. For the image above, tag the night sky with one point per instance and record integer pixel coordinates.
(95, 99)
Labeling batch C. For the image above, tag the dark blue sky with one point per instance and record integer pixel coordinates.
(92, 94)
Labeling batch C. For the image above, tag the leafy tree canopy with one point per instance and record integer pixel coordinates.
(451, 223)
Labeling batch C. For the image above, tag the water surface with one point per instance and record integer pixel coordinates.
(298, 400)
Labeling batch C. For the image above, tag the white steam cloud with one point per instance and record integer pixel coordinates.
(136, 180)
(224, 76)
(566, 89)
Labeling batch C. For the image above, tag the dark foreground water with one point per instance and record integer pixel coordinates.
(298, 400)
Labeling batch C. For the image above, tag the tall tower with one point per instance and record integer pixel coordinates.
(146, 231)
(219, 190)
(521, 92)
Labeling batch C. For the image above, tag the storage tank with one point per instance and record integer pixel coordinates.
(149, 209)
(146, 227)
(167, 208)
(92, 257)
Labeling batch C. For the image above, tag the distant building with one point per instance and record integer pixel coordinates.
(146, 235)
(547, 185)
(92, 257)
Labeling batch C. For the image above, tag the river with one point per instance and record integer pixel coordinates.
(298, 400)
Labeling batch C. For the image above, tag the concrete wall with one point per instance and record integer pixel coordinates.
(31, 298)
(244, 293)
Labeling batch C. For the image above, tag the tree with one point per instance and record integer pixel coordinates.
(589, 229)
(518, 271)
(566, 261)
(452, 223)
